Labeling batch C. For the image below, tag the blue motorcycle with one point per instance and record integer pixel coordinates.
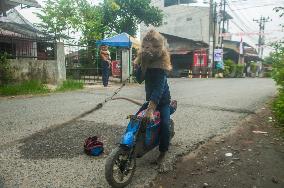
(140, 137)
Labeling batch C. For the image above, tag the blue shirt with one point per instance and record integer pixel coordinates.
(156, 85)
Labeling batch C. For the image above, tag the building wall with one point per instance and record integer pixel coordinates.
(30, 69)
(47, 71)
(183, 21)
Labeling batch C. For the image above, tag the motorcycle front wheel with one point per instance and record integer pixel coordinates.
(120, 167)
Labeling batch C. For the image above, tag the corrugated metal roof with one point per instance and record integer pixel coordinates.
(16, 23)
(6, 5)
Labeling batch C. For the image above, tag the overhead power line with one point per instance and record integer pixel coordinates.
(245, 8)
(261, 39)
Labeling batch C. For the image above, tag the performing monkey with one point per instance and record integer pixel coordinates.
(152, 65)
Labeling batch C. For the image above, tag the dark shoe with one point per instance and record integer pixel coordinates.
(164, 162)
(161, 157)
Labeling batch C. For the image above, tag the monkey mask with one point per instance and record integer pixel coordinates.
(153, 52)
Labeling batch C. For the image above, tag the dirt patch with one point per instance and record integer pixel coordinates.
(67, 141)
(251, 156)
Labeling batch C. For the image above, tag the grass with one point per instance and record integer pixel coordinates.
(70, 85)
(27, 87)
(36, 87)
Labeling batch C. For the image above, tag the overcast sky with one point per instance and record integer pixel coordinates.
(243, 12)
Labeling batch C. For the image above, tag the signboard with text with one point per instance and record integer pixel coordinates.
(218, 55)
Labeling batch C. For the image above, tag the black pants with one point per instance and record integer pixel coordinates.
(105, 72)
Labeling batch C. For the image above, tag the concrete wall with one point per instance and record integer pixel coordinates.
(30, 69)
(48, 71)
(183, 21)
(60, 63)
(125, 64)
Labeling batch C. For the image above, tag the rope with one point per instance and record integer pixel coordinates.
(48, 129)
(100, 105)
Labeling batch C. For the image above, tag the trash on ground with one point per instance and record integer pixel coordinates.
(228, 154)
(205, 185)
(260, 132)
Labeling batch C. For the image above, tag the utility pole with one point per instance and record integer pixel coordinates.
(214, 26)
(212, 33)
(223, 24)
(219, 23)
(211, 38)
(261, 38)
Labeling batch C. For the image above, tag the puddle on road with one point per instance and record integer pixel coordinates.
(67, 141)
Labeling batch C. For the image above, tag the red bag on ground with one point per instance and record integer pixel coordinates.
(93, 146)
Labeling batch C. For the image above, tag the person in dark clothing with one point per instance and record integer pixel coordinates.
(106, 62)
(158, 95)
(152, 65)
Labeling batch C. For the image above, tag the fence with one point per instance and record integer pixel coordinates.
(82, 63)
(19, 46)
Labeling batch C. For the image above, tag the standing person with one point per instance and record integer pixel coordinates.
(152, 65)
(106, 62)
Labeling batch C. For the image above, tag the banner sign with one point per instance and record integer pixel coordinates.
(218, 55)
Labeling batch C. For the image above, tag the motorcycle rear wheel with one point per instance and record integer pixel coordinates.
(120, 167)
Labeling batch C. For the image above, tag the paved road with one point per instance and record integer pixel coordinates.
(35, 153)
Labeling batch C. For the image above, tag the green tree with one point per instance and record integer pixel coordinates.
(125, 15)
(90, 22)
(56, 17)
(277, 58)
(268, 60)
(97, 21)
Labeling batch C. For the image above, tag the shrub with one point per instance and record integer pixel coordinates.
(253, 67)
(278, 108)
(229, 68)
(27, 87)
(5, 69)
(278, 75)
(267, 74)
(239, 71)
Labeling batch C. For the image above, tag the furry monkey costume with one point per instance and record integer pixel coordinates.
(153, 63)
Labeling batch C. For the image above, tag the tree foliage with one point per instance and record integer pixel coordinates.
(57, 18)
(277, 58)
(125, 15)
(96, 21)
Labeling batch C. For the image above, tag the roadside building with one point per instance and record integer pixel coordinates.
(20, 39)
(189, 30)
(186, 29)
(187, 55)
(6, 5)
(32, 54)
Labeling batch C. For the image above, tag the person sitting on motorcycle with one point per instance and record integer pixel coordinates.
(152, 65)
